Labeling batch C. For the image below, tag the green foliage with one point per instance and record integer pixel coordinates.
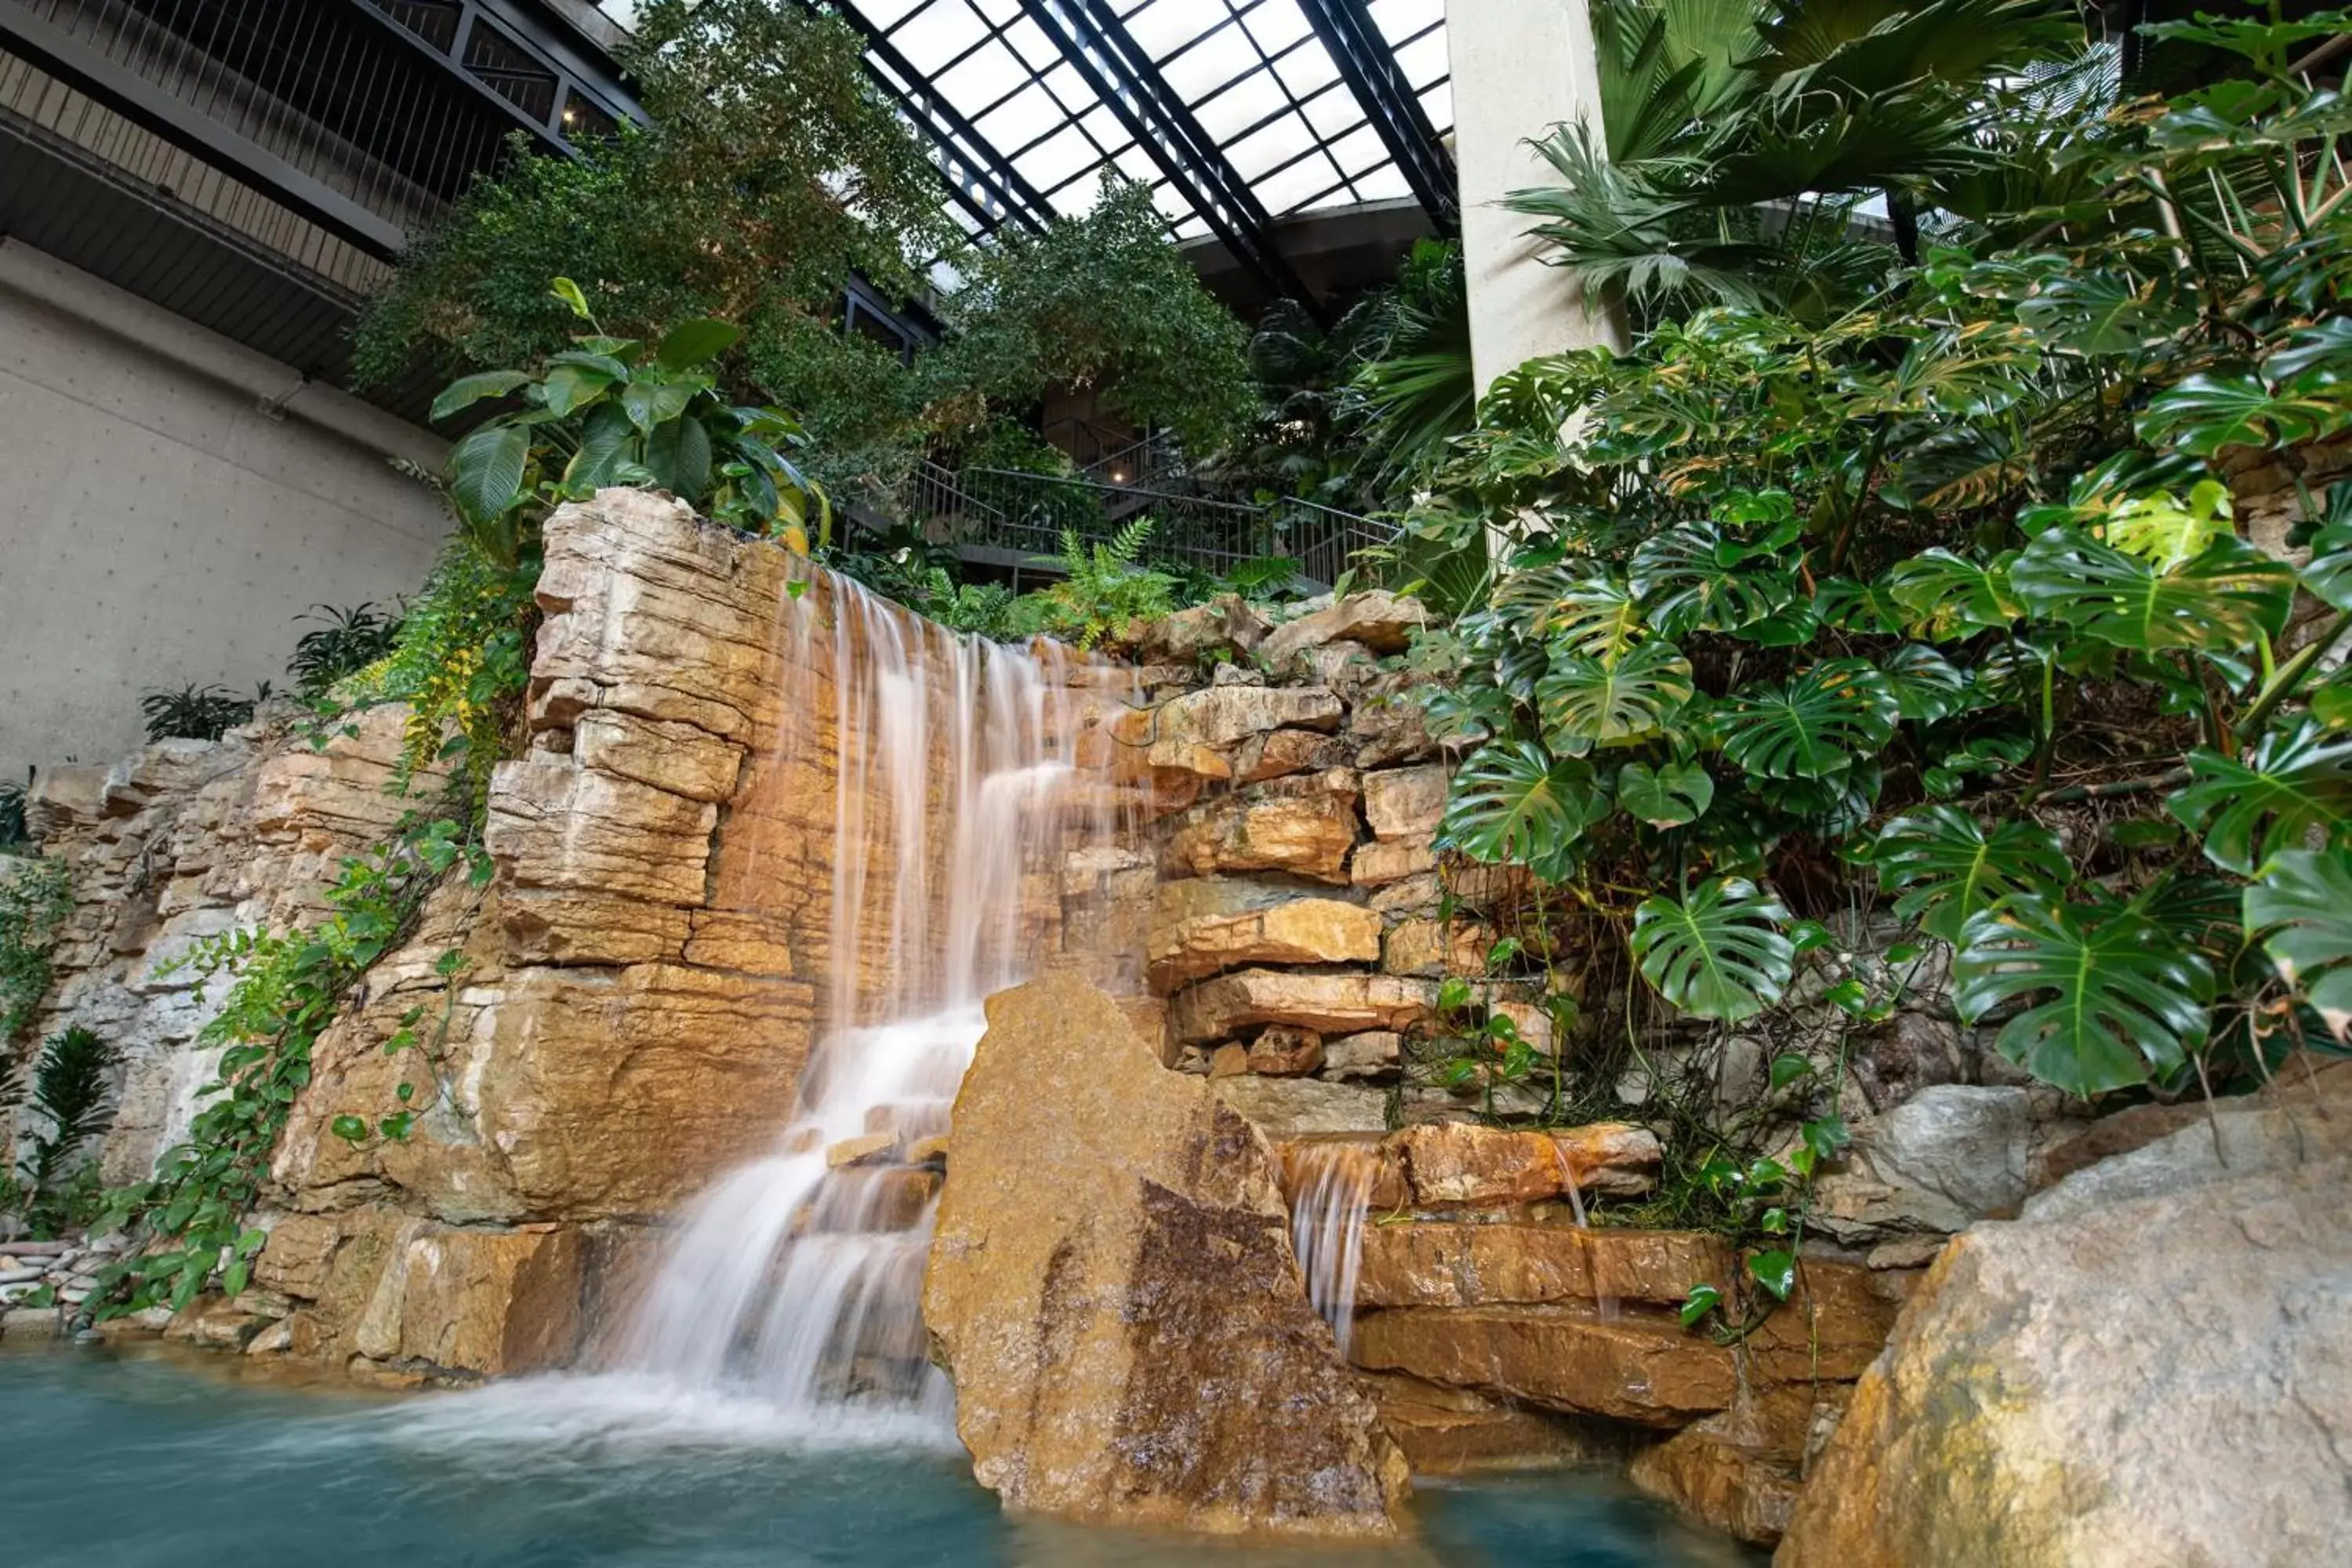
(35, 897)
(2302, 912)
(346, 642)
(198, 712)
(69, 1086)
(1941, 570)
(1105, 589)
(14, 797)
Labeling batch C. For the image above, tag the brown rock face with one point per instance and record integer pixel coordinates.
(1441, 1264)
(1405, 803)
(1456, 1431)
(1302, 826)
(1463, 1164)
(1202, 926)
(1112, 1288)
(492, 1303)
(1381, 621)
(1283, 1051)
(1643, 1369)
(1326, 1003)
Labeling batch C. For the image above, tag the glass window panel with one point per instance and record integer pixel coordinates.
(886, 14)
(1278, 144)
(1399, 19)
(1387, 183)
(1276, 25)
(1021, 119)
(1227, 114)
(1135, 164)
(1030, 42)
(1066, 85)
(1192, 228)
(985, 76)
(1423, 62)
(1163, 26)
(1334, 112)
(1358, 151)
(1307, 69)
(1218, 58)
(998, 12)
(1170, 202)
(1438, 104)
(1284, 191)
(942, 31)
(1104, 127)
(1055, 159)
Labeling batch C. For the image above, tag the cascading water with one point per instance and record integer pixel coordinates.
(797, 1278)
(1329, 1188)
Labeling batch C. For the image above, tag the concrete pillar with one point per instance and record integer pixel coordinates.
(1519, 67)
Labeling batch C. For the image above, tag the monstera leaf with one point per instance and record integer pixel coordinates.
(1603, 701)
(1814, 725)
(1949, 869)
(2103, 997)
(2329, 575)
(2223, 601)
(2249, 809)
(2301, 910)
(1949, 596)
(1691, 579)
(2203, 413)
(1513, 802)
(1668, 796)
(1595, 617)
(1718, 953)
(1926, 685)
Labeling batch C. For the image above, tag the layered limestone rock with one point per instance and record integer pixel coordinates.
(1202, 926)
(2152, 1366)
(1112, 1288)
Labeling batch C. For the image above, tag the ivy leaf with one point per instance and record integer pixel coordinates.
(2202, 414)
(2301, 910)
(1588, 702)
(469, 390)
(1717, 954)
(1513, 801)
(486, 470)
(2291, 784)
(2102, 998)
(1775, 1270)
(1701, 1301)
(2223, 601)
(1948, 595)
(1951, 869)
(1816, 724)
(1685, 585)
(1926, 685)
(1669, 795)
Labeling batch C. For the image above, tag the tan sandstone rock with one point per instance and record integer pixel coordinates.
(1638, 1367)
(1200, 926)
(1304, 825)
(1327, 1004)
(1405, 803)
(1381, 621)
(491, 1303)
(1112, 1288)
(1443, 1264)
(1463, 1165)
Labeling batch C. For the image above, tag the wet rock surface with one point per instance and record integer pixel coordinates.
(1113, 1290)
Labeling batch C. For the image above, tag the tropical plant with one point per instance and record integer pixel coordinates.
(345, 642)
(198, 712)
(36, 897)
(69, 1089)
(1106, 588)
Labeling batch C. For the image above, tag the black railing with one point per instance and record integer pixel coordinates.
(1026, 515)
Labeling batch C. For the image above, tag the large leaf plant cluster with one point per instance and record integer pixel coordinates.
(1945, 592)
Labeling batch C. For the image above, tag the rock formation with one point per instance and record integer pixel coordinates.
(1112, 1288)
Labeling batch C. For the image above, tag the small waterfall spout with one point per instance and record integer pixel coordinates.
(796, 1279)
(1329, 1188)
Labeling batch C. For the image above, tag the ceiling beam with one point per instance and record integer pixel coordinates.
(981, 179)
(1099, 47)
(1369, 66)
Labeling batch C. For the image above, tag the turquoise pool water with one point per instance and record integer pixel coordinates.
(143, 1459)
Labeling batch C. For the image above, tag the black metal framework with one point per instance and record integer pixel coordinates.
(1370, 68)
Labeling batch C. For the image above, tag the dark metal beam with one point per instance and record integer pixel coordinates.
(982, 181)
(183, 125)
(1369, 66)
(1098, 46)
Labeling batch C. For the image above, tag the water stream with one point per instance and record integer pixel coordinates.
(1328, 1183)
(797, 1278)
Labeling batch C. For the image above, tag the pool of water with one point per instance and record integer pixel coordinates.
(147, 1460)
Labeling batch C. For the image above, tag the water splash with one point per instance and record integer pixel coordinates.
(1330, 1185)
(796, 1280)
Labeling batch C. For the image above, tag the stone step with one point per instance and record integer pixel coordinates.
(1440, 1263)
(1457, 1431)
(1637, 1366)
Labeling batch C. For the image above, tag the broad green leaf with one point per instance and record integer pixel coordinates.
(1813, 725)
(679, 455)
(1513, 802)
(607, 440)
(1597, 618)
(2203, 413)
(1669, 795)
(2102, 998)
(486, 470)
(2164, 532)
(649, 403)
(1701, 1301)
(1590, 701)
(1685, 585)
(1949, 869)
(469, 390)
(1717, 954)
(1951, 595)
(1775, 1270)
(690, 343)
(569, 292)
(2300, 908)
(1926, 685)
(2251, 808)
(572, 387)
(2223, 601)
(2101, 312)
(2330, 574)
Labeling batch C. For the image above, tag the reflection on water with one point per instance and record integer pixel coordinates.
(148, 1460)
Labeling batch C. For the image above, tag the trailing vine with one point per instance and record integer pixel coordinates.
(35, 897)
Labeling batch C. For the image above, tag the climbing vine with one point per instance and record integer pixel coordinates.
(35, 897)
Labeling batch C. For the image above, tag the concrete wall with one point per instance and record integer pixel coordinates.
(169, 503)
(1520, 68)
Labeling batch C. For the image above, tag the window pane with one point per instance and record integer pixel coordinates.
(943, 30)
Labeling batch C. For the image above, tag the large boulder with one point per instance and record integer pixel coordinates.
(1113, 1290)
(1950, 1156)
(1381, 621)
(2154, 1365)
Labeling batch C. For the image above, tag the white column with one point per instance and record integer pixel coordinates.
(1519, 67)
